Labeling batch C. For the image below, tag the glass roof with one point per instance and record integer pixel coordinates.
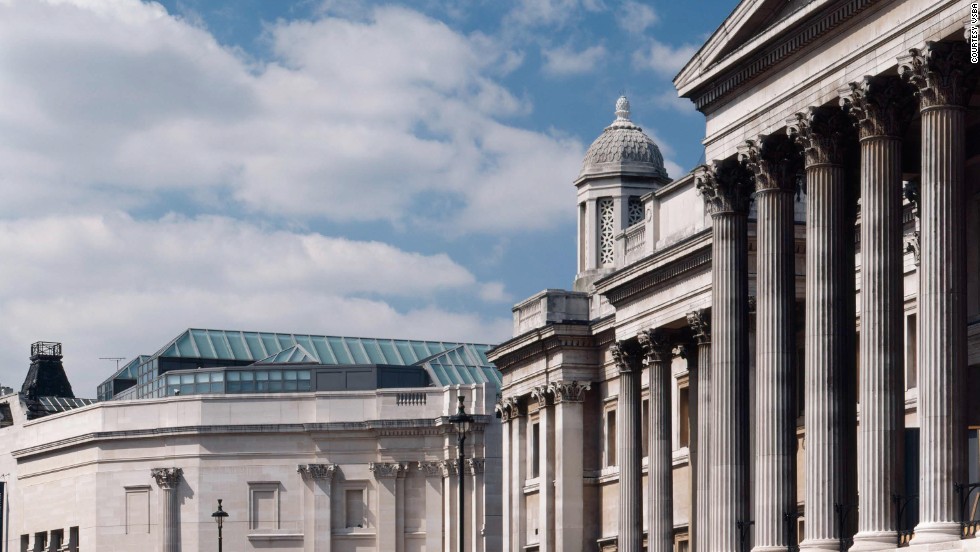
(292, 355)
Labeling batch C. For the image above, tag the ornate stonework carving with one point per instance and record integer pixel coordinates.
(912, 246)
(911, 192)
(657, 346)
(700, 323)
(387, 469)
(431, 468)
(474, 466)
(941, 72)
(541, 394)
(774, 160)
(167, 478)
(510, 407)
(317, 472)
(879, 105)
(449, 468)
(569, 391)
(725, 186)
(823, 132)
(622, 356)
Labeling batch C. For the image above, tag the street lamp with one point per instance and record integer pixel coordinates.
(463, 423)
(219, 518)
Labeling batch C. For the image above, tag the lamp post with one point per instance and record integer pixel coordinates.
(463, 422)
(219, 518)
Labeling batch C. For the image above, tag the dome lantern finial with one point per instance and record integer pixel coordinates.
(622, 109)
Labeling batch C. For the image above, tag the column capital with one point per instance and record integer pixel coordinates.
(167, 478)
(941, 72)
(449, 468)
(774, 160)
(880, 105)
(700, 323)
(510, 407)
(540, 393)
(569, 391)
(431, 468)
(657, 346)
(725, 187)
(822, 132)
(317, 472)
(474, 466)
(387, 469)
(624, 356)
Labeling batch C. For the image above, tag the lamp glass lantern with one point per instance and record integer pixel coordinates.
(220, 515)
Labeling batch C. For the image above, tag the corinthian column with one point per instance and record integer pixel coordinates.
(824, 133)
(628, 450)
(725, 187)
(569, 451)
(699, 321)
(168, 479)
(660, 472)
(320, 477)
(882, 108)
(776, 163)
(945, 80)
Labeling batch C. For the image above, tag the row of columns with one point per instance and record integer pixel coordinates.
(881, 108)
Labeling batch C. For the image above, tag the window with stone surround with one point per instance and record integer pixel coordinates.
(355, 508)
(137, 509)
(634, 209)
(683, 413)
(682, 543)
(263, 506)
(609, 450)
(645, 422)
(535, 452)
(911, 354)
(607, 230)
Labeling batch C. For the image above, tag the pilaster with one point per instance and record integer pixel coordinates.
(168, 479)
(569, 452)
(432, 470)
(387, 474)
(546, 476)
(700, 324)
(320, 479)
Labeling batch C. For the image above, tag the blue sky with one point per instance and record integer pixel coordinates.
(398, 169)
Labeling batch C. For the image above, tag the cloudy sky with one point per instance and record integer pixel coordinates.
(342, 167)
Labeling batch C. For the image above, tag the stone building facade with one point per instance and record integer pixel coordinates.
(314, 467)
(781, 349)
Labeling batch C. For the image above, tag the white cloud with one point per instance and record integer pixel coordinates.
(634, 17)
(662, 58)
(116, 102)
(668, 99)
(535, 13)
(566, 61)
(115, 286)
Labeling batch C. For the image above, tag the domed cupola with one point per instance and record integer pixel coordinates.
(622, 165)
(624, 148)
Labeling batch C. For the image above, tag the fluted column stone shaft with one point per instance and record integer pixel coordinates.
(660, 469)
(569, 453)
(776, 163)
(882, 108)
(628, 452)
(700, 322)
(830, 326)
(945, 81)
(725, 187)
(168, 479)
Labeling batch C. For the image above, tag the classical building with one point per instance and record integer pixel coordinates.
(311, 442)
(781, 349)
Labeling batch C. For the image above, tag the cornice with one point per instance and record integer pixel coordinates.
(768, 49)
(661, 267)
(539, 343)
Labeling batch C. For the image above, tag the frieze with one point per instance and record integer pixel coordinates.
(941, 72)
(656, 278)
(569, 391)
(880, 105)
(823, 132)
(317, 472)
(167, 478)
(775, 162)
(725, 186)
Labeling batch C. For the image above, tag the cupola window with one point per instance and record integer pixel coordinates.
(606, 230)
(635, 211)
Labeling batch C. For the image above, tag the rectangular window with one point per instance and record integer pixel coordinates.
(535, 449)
(73, 539)
(610, 451)
(263, 506)
(57, 539)
(911, 354)
(645, 438)
(137, 510)
(354, 508)
(683, 415)
(25, 543)
(683, 544)
(40, 541)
